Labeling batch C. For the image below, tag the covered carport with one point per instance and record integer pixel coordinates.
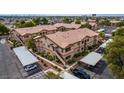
(92, 58)
(105, 44)
(25, 57)
(93, 62)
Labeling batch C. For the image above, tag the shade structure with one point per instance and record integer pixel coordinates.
(25, 56)
(92, 58)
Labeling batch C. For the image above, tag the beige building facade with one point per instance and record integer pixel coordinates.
(67, 44)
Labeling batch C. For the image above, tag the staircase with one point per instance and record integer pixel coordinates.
(57, 54)
(59, 57)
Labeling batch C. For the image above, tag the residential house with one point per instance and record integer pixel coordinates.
(114, 22)
(93, 23)
(65, 26)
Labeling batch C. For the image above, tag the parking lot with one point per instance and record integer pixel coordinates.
(39, 75)
(10, 67)
(108, 30)
(100, 71)
(90, 73)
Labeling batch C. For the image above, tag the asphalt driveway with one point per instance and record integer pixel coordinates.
(9, 68)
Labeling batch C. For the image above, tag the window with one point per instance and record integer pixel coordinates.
(87, 39)
(82, 48)
(67, 49)
(82, 42)
(49, 46)
(78, 50)
(78, 43)
(62, 50)
(67, 57)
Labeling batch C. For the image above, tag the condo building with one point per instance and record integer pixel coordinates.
(68, 43)
(25, 33)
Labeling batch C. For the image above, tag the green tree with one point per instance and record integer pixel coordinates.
(19, 24)
(67, 20)
(120, 24)
(119, 32)
(31, 44)
(102, 35)
(106, 22)
(22, 24)
(3, 29)
(115, 54)
(77, 21)
(28, 24)
(36, 20)
(113, 34)
(44, 21)
(86, 26)
(51, 75)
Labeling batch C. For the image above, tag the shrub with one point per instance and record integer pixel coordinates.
(77, 55)
(50, 57)
(85, 52)
(51, 75)
(71, 61)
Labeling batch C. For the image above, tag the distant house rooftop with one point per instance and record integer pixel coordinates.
(72, 25)
(63, 39)
(100, 30)
(32, 30)
(91, 20)
(25, 56)
(114, 21)
(92, 24)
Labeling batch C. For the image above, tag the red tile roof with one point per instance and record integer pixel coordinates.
(63, 39)
(76, 26)
(32, 30)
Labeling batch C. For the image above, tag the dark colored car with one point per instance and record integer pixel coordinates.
(100, 50)
(30, 67)
(80, 74)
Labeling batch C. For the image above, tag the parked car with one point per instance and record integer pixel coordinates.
(80, 73)
(100, 50)
(30, 67)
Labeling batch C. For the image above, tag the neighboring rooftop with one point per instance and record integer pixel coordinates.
(32, 30)
(92, 58)
(92, 24)
(114, 21)
(25, 56)
(100, 30)
(91, 20)
(63, 39)
(72, 25)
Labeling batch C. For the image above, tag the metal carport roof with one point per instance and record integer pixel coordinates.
(92, 58)
(25, 56)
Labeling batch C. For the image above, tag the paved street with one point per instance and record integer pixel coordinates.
(9, 68)
(39, 75)
(105, 75)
